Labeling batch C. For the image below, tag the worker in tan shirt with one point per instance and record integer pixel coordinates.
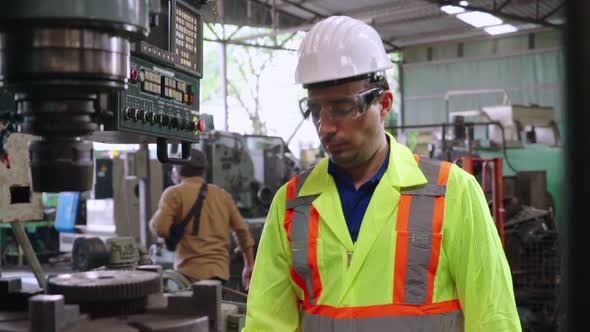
(206, 254)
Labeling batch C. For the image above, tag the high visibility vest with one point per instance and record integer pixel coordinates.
(418, 244)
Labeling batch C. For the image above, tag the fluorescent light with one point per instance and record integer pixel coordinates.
(479, 19)
(500, 29)
(452, 9)
(464, 3)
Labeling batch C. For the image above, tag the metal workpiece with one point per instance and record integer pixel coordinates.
(104, 285)
(166, 323)
(56, 56)
(10, 285)
(56, 164)
(203, 300)
(13, 296)
(49, 313)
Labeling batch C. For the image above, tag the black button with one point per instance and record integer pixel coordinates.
(130, 113)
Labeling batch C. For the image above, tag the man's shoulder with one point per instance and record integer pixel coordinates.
(217, 190)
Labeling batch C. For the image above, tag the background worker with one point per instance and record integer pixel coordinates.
(202, 251)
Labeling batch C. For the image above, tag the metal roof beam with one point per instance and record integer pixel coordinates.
(553, 11)
(233, 42)
(503, 5)
(499, 13)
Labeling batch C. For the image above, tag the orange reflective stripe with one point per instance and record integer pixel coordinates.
(289, 213)
(384, 310)
(401, 248)
(417, 158)
(291, 187)
(301, 284)
(312, 255)
(443, 174)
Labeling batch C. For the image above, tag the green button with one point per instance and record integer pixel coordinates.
(192, 89)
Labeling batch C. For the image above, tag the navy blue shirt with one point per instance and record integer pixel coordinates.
(355, 202)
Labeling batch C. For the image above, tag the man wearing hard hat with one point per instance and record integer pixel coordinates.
(374, 238)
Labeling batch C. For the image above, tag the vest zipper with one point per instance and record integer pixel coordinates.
(349, 254)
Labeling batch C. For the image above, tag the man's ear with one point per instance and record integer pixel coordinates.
(386, 102)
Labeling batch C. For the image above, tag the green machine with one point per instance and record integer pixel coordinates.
(530, 148)
(527, 140)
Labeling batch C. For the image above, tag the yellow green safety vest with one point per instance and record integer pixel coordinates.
(428, 256)
(419, 223)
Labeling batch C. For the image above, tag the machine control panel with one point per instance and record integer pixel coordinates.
(162, 98)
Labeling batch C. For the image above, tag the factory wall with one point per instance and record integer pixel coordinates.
(530, 67)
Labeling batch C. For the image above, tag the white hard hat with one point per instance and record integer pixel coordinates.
(340, 47)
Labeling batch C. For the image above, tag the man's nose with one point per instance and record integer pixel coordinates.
(327, 125)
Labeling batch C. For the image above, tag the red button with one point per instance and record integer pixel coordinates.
(201, 126)
(134, 74)
(191, 100)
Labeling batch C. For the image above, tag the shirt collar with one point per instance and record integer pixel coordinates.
(340, 174)
(403, 172)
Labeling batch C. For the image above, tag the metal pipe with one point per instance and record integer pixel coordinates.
(452, 93)
(474, 124)
(223, 51)
(25, 244)
(498, 197)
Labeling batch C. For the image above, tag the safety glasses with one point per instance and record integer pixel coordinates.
(339, 108)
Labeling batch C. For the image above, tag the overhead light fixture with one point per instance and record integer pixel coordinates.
(451, 10)
(501, 29)
(464, 3)
(479, 19)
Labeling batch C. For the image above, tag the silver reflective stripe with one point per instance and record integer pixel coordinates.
(305, 200)
(419, 249)
(447, 322)
(428, 189)
(420, 232)
(299, 233)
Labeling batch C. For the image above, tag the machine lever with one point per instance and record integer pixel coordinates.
(162, 152)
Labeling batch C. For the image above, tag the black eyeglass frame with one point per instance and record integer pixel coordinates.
(363, 100)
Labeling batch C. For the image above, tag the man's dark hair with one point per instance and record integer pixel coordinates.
(378, 81)
(195, 167)
(188, 171)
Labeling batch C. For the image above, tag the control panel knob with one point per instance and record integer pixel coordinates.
(183, 124)
(165, 120)
(140, 115)
(130, 113)
(174, 122)
(149, 117)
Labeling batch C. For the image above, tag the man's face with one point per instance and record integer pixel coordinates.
(351, 142)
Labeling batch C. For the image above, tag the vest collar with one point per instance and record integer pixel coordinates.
(402, 171)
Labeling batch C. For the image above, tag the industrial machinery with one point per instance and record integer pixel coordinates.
(250, 167)
(514, 151)
(110, 71)
(115, 300)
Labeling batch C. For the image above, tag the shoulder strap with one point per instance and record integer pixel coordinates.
(196, 210)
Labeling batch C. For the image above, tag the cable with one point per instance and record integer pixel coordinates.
(504, 147)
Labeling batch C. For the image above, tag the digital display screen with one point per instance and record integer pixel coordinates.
(186, 37)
